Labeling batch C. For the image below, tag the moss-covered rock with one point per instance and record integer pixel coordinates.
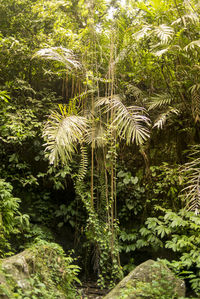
(42, 271)
(149, 280)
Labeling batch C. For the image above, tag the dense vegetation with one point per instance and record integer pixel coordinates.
(99, 132)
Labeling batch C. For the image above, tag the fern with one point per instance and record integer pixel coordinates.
(196, 105)
(143, 32)
(191, 191)
(83, 164)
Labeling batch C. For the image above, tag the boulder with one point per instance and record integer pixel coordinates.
(151, 279)
(41, 271)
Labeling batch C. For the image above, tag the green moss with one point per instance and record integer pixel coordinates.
(42, 271)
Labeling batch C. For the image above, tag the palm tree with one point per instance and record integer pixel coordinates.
(66, 130)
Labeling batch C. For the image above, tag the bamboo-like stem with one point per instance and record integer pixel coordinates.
(93, 123)
(111, 71)
(72, 90)
(66, 87)
(92, 156)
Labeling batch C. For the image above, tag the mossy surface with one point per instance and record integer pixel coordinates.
(149, 280)
(42, 271)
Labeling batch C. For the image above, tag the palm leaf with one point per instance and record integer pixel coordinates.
(131, 123)
(159, 100)
(161, 120)
(143, 32)
(62, 134)
(188, 18)
(59, 54)
(164, 33)
(192, 45)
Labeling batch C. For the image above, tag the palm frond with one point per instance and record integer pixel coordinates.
(62, 133)
(161, 120)
(60, 54)
(159, 100)
(161, 52)
(164, 33)
(188, 18)
(131, 123)
(97, 134)
(143, 32)
(192, 45)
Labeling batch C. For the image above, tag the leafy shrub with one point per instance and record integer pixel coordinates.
(179, 232)
(50, 275)
(11, 220)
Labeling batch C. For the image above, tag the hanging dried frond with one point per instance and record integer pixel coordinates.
(159, 100)
(191, 171)
(62, 133)
(131, 123)
(99, 134)
(60, 54)
(161, 120)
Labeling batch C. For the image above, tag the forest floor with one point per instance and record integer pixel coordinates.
(90, 290)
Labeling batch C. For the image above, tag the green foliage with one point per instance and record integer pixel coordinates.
(52, 275)
(159, 288)
(98, 232)
(131, 193)
(153, 63)
(12, 222)
(165, 186)
(179, 233)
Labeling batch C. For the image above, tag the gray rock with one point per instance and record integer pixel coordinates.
(150, 276)
(40, 269)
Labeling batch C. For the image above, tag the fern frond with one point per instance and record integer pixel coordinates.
(191, 171)
(62, 133)
(83, 164)
(161, 120)
(60, 54)
(196, 105)
(164, 33)
(159, 100)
